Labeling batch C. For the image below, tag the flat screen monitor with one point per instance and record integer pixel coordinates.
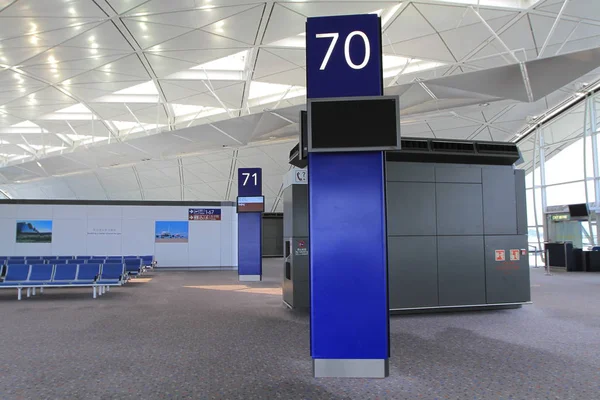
(354, 124)
(251, 204)
(578, 210)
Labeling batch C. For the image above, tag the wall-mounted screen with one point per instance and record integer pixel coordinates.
(354, 124)
(578, 210)
(250, 204)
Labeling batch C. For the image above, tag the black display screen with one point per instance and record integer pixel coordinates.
(578, 210)
(354, 124)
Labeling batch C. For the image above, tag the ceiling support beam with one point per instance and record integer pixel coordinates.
(139, 182)
(232, 170)
(483, 123)
(181, 179)
(554, 25)
(224, 133)
(567, 39)
(495, 35)
(253, 56)
(136, 119)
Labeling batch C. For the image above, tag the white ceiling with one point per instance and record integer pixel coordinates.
(97, 93)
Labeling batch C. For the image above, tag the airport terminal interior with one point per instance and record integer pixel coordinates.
(299, 199)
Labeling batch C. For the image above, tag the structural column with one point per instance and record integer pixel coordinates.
(348, 255)
(249, 203)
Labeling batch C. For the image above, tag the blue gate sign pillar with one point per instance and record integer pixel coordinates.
(348, 256)
(249, 203)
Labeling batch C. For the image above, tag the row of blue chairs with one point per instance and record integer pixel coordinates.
(100, 277)
(134, 266)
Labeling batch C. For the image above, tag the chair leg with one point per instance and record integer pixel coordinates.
(28, 292)
(94, 291)
(41, 290)
(33, 291)
(103, 289)
(19, 293)
(108, 288)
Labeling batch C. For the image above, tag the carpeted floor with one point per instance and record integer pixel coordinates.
(203, 335)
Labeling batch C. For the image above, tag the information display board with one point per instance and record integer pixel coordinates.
(251, 204)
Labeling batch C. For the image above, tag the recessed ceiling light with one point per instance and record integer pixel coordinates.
(95, 45)
(72, 11)
(484, 104)
(143, 26)
(22, 90)
(34, 39)
(94, 51)
(92, 38)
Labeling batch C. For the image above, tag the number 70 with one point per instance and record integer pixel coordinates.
(334, 36)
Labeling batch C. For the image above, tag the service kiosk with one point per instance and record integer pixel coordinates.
(350, 125)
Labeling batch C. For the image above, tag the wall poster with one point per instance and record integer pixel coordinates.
(171, 231)
(34, 231)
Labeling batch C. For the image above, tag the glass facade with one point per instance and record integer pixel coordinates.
(562, 163)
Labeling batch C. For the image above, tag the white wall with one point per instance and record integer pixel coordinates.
(130, 232)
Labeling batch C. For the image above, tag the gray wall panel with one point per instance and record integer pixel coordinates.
(521, 202)
(288, 215)
(409, 172)
(508, 281)
(461, 270)
(411, 208)
(499, 201)
(458, 174)
(300, 210)
(412, 272)
(459, 209)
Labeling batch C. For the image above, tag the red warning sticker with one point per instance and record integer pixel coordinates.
(515, 254)
(500, 255)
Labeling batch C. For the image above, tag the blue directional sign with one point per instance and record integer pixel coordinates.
(249, 182)
(343, 56)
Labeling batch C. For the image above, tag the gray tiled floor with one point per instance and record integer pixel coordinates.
(202, 335)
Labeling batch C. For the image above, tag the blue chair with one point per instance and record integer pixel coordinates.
(55, 262)
(76, 261)
(16, 262)
(16, 275)
(64, 274)
(596, 248)
(113, 261)
(87, 274)
(83, 257)
(111, 274)
(133, 266)
(64, 258)
(40, 275)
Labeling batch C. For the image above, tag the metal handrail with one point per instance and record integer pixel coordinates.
(535, 250)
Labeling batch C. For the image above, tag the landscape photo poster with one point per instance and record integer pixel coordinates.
(34, 231)
(171, 231)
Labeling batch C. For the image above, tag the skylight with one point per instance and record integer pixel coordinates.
(234, 62)
(143, 89)
(75, 112)
(393, 65)
(265, 93)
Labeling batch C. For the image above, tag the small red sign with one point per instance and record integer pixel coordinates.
(500, 255)
(515, 254)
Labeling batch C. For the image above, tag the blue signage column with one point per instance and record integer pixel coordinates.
(249, 227)
(348, 255)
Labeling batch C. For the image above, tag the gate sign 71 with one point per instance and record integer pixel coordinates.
(249, 182)
(343, 56)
